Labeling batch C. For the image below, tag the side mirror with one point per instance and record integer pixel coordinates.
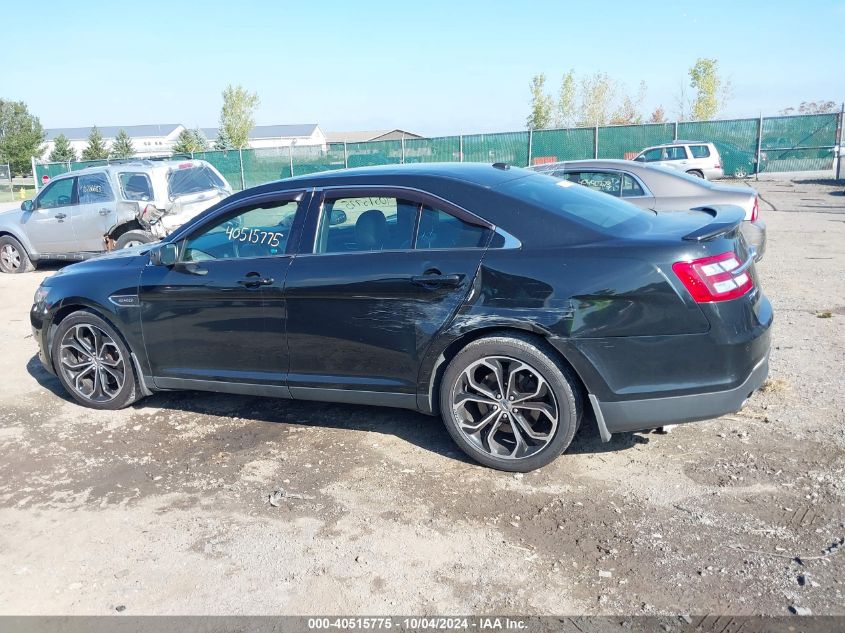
(640, 159)
(27, 205)
(164, 255)
(338, 217)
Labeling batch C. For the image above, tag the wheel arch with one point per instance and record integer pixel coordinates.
(21, 239)
(73, 306)
(130, 225)
(429, 401)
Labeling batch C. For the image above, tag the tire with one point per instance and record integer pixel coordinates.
(696, 173)
(133, 238)
(13, 257)
(740, 172)
(109, 382)
(530, 367)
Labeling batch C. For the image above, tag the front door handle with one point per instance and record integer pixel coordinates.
(255, 280)
(60, 216)
(105, 211)
(436, 280)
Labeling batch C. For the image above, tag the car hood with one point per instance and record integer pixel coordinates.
(101, 264)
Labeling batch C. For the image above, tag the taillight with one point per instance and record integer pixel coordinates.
(755, 210)
(714, 278)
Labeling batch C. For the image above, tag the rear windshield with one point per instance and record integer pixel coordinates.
(181, 182)
(566, 199)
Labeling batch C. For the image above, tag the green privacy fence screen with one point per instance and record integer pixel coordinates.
(776, 144)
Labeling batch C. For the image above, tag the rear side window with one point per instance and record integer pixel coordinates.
(676, 153)
(135, 186)
(699, 151)
(576, 203)
(94, 188)
(630, 187)
(195, 179)
(439, 229)
(606, 182)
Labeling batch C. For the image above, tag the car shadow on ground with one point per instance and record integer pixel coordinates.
(424, 431)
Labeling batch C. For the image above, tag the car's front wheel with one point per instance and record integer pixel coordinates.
(13, 256)
(696, 173)
(740, 172)
(509, 403)
(93, 363)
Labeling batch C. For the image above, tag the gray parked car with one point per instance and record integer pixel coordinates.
(663, 189)
(83, 213)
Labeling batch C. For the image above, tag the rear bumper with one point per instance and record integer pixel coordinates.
(639, 415)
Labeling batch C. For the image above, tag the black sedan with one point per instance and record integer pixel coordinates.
(506, 301)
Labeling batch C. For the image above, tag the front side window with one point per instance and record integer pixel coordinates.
(59, 193)
(135, 186)
(699, 151)
(94, 188)
(257, 230)
(652, 155)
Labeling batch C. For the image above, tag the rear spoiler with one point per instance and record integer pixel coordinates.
(726, 218)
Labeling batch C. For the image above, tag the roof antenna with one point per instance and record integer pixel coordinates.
(501, 166)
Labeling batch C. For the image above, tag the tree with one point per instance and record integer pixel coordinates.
(122, 146)
(190, 141)
(658, 116)
(567, 101)
(223, 142)
(96, 148)
(21, 136)
(711, 90)
(62, 150)
(236, 115)
(598, 92)
(541, 105)
(811, 107)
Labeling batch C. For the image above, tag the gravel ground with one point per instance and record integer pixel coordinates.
(163, 508)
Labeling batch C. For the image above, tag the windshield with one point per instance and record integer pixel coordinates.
(566, 199)
(187, 180)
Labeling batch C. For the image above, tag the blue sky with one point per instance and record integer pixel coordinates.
(428, 66)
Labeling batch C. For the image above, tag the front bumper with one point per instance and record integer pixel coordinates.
(640, 415)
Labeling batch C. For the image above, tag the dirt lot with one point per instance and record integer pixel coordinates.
(163, 508)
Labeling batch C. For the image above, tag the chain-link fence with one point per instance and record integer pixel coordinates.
(747, 146)
(7, 192)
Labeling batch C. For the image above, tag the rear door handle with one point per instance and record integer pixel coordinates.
(254, 280)
(60, 216)
(436, 280)
(105, 211)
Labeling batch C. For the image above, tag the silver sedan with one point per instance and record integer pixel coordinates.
(662, 189)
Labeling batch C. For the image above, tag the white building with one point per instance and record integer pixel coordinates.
(158, 139)
(148, 140)
(266, 136)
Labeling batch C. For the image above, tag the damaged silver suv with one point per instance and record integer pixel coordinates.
(83, 213)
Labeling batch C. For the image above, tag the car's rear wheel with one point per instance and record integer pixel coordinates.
(133, 238)
(510, 404)
(740, 172)
(13, 257)
(93, 363)
(696, 173)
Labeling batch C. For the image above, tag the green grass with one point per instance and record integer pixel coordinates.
(6, 196)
